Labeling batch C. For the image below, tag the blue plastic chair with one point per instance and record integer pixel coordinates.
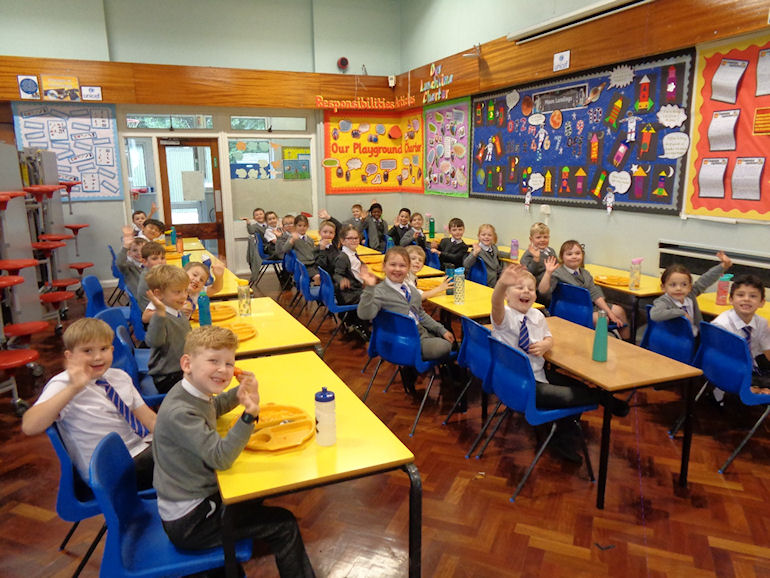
(572, 303)
(289, 259)
(118, 291)
(95, 297)
(115, 319)
(397, 340)
(135, 317)
(726, 362)
(672, 338)
(124, 358)
(332, 308)
(137, 545)
(310, 293)
(267, 262)
(510, 376)
(432, 260)
(478, 273)
(366, 236)
(473, 356)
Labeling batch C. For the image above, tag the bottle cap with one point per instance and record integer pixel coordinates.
(637, 260)
(460, 271)
(726, 277)
(243, 282)
(324, 395)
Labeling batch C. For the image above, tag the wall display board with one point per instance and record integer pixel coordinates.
(296, 163)
(447, 160)
(373, 153)
(85, 140)
(614, 137)
(731, 138)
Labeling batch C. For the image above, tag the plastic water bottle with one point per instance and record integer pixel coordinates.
(244, 298)
(635, 274)
(167, 237)
(459, 291)
(515, 249)
(389, 244)
(723, 289)
(431, 226)
(207, 261)
(204, 309)
(325, 418)
(451, 274)
(185, 259)
(600, 338)
(173, 235)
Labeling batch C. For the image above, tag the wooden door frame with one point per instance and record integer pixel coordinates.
(206, 230)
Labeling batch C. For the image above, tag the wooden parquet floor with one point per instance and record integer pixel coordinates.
(719, 527)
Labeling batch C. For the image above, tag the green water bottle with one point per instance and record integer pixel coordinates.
(600, 338)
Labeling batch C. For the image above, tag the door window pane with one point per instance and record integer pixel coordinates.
(141, 173)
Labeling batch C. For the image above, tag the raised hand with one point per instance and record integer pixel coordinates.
(551, 264)
(726, 261)
(248, 392)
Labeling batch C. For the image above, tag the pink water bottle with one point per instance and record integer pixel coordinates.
(723, 289)
(515, 249)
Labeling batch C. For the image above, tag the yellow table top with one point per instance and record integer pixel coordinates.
(229, 281)
(628, 366)
(377, 260)
(648, 287)
(478, 301)
(708, 306)
(362, 250)
(193, 244)
(277, 330)
(364, 444)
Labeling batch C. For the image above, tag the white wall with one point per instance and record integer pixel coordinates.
(60, 29)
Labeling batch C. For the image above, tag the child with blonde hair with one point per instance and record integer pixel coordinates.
(486, 250)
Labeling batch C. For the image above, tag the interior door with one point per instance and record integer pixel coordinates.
(192, 195)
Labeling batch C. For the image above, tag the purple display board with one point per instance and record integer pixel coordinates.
(447, 163)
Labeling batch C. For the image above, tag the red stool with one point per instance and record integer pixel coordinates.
(64, 283)
(13, 266)
(68, 185)
(10, 361)
(75, 230)
(46, 248)
(41, 192)
(52, 237)
(58, 301)
(80, 268)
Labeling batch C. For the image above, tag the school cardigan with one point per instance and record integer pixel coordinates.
(383, 296)
(664, 307)
(253, 227)
(187, 447)
(537, 268)
(490, 259)
(165, 336)
(376, 230)
(452, 254)
(411, 237)
(131, 271)
(397, 231)
(582, 279)
(304, 250)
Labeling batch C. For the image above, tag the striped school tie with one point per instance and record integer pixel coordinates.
(124, 410)
(524, 336)
(747, 329)
(405, 290)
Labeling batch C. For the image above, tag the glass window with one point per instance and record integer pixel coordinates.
(274, 123)
(169, 121)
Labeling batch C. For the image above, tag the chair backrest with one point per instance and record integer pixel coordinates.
(724, 358)
(478, 273)
(572, 303)
(289, 258)
(432, 260)
(113, 317)
(123, 355)
(94, 295)
(366, 236)
(304, 282)
(474, 350)
(510, 376)
(135, 316)
(327, 290)
(115, 271)
(75, 501)
(672, 338)
(396, 338)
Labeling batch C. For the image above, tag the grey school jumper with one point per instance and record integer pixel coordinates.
(165, 336)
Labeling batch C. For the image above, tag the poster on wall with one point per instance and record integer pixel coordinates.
(85, 140)
(373, 152)
(447, 135)
(731, 135)
(614, 138)
(296, 163)
(254, 159)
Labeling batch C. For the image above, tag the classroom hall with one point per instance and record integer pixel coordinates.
(636, 127)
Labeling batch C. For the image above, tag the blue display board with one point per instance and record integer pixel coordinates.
(612, 138)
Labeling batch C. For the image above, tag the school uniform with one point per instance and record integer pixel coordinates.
(325, 258)
(757, 333)
(579, 277)
(165, 336)
(252, 227)
(132, 270)
(358, 224)
(304, 249)
(376, 231)
(398, 231)
(489, 255)
(347, 265)
(537, 268)
(665, 307)
(452, 252)
(414, 237)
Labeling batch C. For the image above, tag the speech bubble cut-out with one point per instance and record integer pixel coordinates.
(620, 181)
(512, 99)
(536, 119)
(371, 168)
(675, 145)
(354, 163)
(363, 128)
(388, 164)
(536, 181)
(621, 76)
(406, 161)
(345, 125)
(671, 115)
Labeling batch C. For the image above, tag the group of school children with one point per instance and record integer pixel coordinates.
(90, 399)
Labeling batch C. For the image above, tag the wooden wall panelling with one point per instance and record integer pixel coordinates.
(464, 71)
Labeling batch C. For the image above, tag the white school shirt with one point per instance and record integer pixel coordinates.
(760, 334)
(355, 262)
(91, 415)
(170, 310)
(508, 333)
(270, 234)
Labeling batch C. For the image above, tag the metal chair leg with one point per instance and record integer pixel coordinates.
(745, 440)
(90, 551)
(334, 334)
(534, 462)
(392, 379)
(584, 445)
(483, 430)
(323, 318)
(366, 364)
(500, 421)
(677, 426)
(68, 536)
(309, 321)
(422, 405)
(371, 381)
(458, 400)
